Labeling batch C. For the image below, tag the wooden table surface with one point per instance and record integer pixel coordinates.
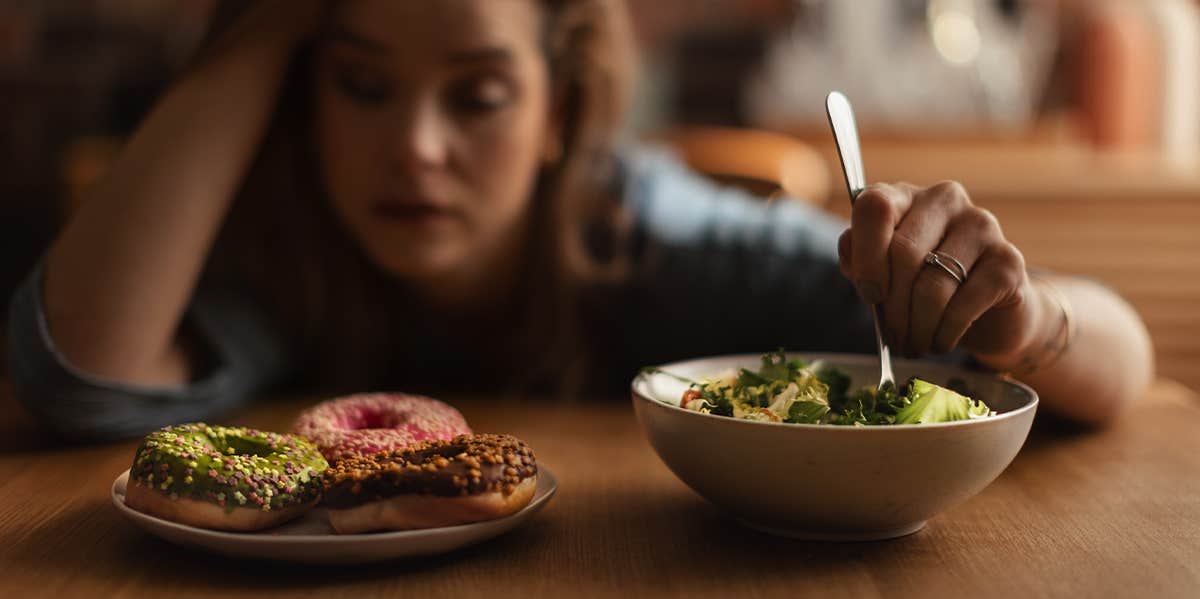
(1114, 513)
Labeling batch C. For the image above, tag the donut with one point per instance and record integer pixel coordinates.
(368, 423)
(470, 478)
(224, 478)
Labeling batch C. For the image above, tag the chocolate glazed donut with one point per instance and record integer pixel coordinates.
(469, 478)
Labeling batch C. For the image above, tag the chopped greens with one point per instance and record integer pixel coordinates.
(784, 390)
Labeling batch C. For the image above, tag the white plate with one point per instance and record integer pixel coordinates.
(310, 539)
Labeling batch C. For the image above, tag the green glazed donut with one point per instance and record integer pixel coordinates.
(229, 467)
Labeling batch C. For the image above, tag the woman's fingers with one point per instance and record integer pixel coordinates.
(997, 278)
(972, 231)
(876, 213)
(845, 254)
(277, 22)
(919, 232)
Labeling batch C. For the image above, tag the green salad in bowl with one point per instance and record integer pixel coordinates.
(795, 444)
(791, 390)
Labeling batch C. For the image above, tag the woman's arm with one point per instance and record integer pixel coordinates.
(1108, 363)
(120, 275)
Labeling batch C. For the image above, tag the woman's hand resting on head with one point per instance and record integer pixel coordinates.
(121, 273)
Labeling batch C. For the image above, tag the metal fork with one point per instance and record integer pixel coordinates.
(845, 133)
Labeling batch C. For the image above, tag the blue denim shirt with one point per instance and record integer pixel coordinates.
(719, 271)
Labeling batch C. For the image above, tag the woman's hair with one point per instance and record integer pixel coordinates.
(342, 316)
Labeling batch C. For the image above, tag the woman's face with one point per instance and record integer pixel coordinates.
(432, 119)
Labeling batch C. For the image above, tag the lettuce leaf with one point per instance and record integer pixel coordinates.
(927, 402)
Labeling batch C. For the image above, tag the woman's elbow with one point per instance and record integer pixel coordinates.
(1124, 380)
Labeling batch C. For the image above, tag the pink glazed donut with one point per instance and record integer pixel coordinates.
(368, 423)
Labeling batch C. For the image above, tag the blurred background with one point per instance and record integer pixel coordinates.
(1076, 121)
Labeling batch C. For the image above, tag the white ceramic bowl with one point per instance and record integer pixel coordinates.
(834, 482)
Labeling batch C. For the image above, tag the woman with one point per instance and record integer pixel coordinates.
(369, 193)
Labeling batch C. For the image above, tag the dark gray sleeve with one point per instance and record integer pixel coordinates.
(243, 356)
(721, 271)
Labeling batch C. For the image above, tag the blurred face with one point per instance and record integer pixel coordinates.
(431, 123)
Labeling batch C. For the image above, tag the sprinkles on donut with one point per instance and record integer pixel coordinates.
(224, 478)
(469, 478)
(368, 423)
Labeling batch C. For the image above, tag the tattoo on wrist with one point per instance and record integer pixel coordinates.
(1047, 353)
